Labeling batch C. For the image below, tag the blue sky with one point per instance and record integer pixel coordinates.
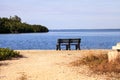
(65, 14)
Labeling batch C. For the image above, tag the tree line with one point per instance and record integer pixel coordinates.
(14, 25)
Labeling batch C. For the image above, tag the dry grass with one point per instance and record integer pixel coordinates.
(98, 63)
(23, 77)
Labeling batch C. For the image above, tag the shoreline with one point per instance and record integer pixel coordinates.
(61, 51)
(57, 50)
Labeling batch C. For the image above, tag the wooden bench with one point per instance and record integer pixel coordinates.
(68, 43)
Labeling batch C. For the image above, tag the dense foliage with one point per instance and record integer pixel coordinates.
(14, 25)
(6, 53)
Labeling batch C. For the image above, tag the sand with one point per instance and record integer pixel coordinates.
(47, 65)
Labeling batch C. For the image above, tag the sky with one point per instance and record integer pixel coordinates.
(65, 14)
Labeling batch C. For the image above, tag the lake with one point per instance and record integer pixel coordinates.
(90, 39)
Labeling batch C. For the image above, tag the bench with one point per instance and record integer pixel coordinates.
(68, 43)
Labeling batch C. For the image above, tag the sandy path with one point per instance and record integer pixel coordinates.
(46, 65)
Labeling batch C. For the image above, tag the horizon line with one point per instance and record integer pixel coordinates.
(89, 29)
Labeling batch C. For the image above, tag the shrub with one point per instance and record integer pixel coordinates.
(6, 53)
(99, 64)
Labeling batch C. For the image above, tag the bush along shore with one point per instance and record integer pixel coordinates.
(6, 53)
(15, 25)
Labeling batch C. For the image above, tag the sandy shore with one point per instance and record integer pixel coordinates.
(47, 65)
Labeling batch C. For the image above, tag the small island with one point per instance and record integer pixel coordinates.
(15, 25)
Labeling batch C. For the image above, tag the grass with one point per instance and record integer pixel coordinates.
(98, 63)
(6, 53)
(23, 77)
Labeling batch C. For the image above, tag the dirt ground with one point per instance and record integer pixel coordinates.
(47, 65)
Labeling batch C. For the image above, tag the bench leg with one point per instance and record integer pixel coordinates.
(77, 47)
(66, 47)
(69, 47)
(58, 47)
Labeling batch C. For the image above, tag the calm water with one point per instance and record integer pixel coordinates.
(90, 39)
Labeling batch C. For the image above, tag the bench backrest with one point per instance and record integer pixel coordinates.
(69, 41)
(75, 40)
(63, 40)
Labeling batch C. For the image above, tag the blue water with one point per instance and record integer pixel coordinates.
(90, 39)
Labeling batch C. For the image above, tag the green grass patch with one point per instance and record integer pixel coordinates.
(6, 53)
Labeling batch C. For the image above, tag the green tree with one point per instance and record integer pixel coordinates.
(14, 25)
(15, 18)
